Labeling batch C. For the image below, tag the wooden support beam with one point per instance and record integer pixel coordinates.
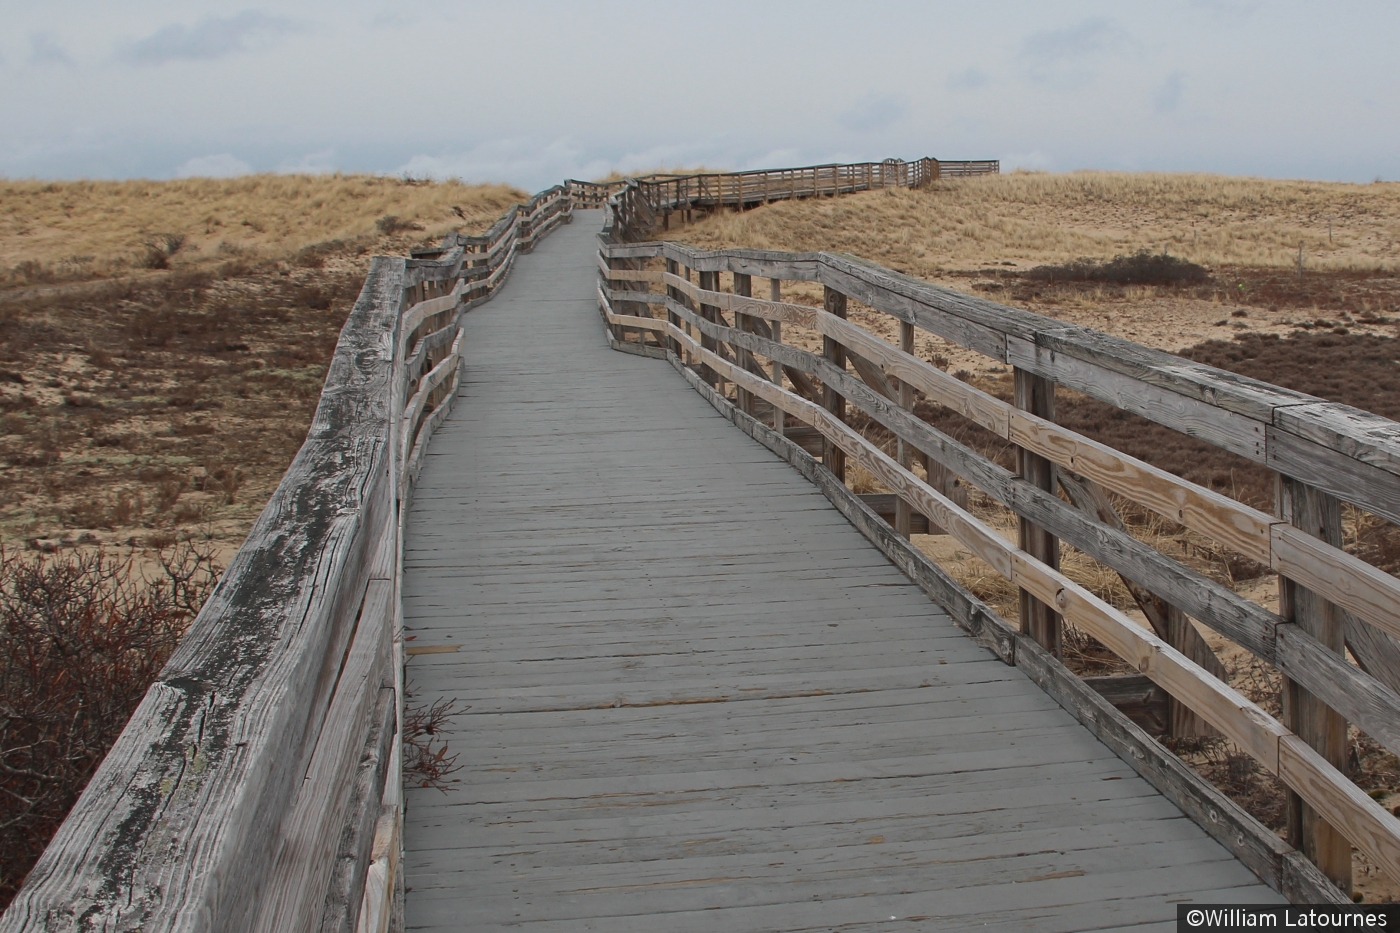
(1036, 395)
(617, 330)
(672, 292)
(710, 282)
(833, 458)
(902, 512)
(1323, 728)
(743, 286)
(1168, 621)
(775, 293)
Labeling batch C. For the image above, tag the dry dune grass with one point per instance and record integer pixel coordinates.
(1032, 218)
(140, 406)
(54, 231)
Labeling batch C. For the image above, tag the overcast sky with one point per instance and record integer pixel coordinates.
(533, 92)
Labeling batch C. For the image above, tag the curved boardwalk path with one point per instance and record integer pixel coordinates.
(696, 699)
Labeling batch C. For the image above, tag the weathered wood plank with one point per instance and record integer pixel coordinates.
(311, 832)
(1228, 430)
(1317, 514)
(1036, 395)
(1365, 484)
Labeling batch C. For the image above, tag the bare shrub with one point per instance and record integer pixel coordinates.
(84, 635)
(224, 478)
(168, 493)
(426, 761)
(1140, 268)
(389, 225)
(159, 249)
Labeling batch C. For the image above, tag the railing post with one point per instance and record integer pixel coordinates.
(1036, 395)
(618, 331)
(689, 331)
(1319, 514)
(674, 268)
(709, 281)
(832, 456)
(775, 293)
(743, 285)
(903, 515)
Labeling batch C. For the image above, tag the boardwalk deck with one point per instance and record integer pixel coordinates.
(697, 699)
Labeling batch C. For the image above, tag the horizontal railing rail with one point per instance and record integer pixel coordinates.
(665, 299)
(258, 785)
(969, 168)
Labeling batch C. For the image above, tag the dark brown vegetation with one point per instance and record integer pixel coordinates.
(81, 638)
(1140, 268)
(136, 412)
(427, 759)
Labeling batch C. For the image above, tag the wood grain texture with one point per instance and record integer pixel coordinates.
(1350, 582)
(681, 715)
(1367, 485)
(1219, 517)
(1220, 607)
(311, 832)
(1273, 860)
(346, 893)
(1036, 395)
(1313, 512)
(1193, 417)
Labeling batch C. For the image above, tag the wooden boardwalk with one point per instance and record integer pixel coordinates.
(697, 699)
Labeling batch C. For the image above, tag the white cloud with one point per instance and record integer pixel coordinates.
(311, 163)
(535, 163)
(210, 38)
(969, 80)
(45, 50)
(774, 158)
(223, 165)
(875, 111)
(1064, 56)
(1232, 9)
(1167, 97)
(1036, 161)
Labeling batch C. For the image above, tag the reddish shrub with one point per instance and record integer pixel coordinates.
(84, 636)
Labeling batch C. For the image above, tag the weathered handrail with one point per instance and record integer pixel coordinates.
(257, 786)
(1321, 449)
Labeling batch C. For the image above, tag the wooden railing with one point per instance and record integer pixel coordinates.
(967, 169)
(257, 786)
(747, 355)
(641, 205)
